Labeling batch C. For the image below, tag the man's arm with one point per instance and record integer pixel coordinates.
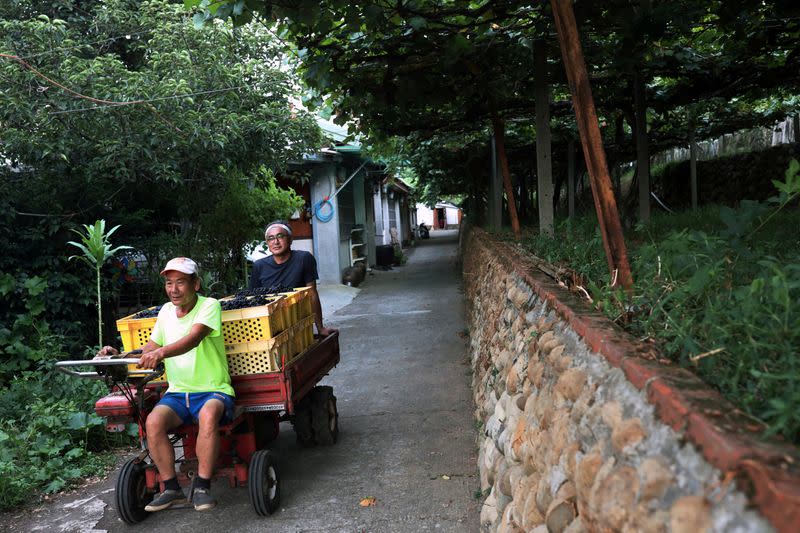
(316, 307)
(109, 351)
(154, 354)
(253, 284)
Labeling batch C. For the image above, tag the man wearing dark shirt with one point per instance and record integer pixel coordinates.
(287, 268)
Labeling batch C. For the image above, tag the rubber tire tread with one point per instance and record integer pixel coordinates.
(321, 396)
(260, 463)
(302, 422)
(130, 510)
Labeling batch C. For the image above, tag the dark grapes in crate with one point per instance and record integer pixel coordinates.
(242, 299)
(252, 297)
(148, 313)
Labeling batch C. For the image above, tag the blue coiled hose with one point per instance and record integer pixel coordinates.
(318, 208)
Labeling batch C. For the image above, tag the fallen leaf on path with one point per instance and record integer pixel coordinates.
(368, 501)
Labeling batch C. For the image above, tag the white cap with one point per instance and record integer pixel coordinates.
(181, 264)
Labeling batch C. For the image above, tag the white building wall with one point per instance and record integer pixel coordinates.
(326, 234)
(424, 214)
(451, 215)
(399, 219)
(386, 237)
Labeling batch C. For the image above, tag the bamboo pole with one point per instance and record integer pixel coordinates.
(499, 138)
(591, 140)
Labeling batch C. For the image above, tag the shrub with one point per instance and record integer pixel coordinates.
(716, 289)
(49, 434)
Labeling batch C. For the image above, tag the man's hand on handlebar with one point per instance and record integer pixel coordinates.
(152, 358)
(106, 352)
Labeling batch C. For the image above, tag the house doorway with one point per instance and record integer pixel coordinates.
(440, 218)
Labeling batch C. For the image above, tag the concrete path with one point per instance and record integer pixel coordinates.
(407, 433)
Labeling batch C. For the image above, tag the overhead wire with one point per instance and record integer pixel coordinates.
(64, 88)
(84, 45)
(150, 100)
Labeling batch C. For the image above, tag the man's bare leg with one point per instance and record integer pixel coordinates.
(159, 423)
(208, 437)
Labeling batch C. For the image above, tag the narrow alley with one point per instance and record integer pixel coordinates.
(407, 434)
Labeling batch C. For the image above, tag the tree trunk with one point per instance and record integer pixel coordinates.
(544, 164)
(557, 186)
(693, 166)
(499, 137)
(494, 203)
(642, 149)
(593, 152)
(571, 177)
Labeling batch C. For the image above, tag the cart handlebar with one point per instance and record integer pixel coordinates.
(106, 366)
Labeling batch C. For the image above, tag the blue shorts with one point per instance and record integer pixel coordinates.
(187, 405)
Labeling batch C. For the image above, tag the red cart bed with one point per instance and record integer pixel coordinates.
(262, 402)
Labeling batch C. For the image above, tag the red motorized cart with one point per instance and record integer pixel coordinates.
(263, 400)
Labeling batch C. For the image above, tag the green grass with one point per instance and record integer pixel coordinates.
(716, 295)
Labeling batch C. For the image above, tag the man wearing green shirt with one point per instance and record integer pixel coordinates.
(187, 337)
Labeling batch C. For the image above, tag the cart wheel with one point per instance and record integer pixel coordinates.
(263, 483)
(324, 416)
(302, 422)
(265, 427)
(131, 492)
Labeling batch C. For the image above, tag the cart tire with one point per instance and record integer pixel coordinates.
(131, 492)
(302, 422)
(324, 416)
(265, 427)
(264, 483)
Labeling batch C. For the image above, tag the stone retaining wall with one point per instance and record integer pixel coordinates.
(583, 431)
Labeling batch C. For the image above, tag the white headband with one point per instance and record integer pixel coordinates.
(284, 226)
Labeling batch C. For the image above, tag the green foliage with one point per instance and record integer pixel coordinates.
(399, 257)
(717, 290)
(183, 174)
(189, 171)
(49, 434)
(95, 245)
(432, 73)
(96, 250)
(725, 180)
(255, 203)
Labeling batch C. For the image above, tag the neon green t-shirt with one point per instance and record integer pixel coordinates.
(203, 368)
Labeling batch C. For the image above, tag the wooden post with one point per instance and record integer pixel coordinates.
(592, 142)
(571, 177)
(499, 139)
(544, 163)
(495, 197)
(693, 165)
(642, 150)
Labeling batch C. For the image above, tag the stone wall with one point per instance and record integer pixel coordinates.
(584, 431)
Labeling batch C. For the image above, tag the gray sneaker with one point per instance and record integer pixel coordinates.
(166, 499)
(203, 500)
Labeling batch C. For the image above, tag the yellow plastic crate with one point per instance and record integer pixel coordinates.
(259, 357)
(239, 326)
(135, 332)
(298, 304)
(302, 335)
(255, 323)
